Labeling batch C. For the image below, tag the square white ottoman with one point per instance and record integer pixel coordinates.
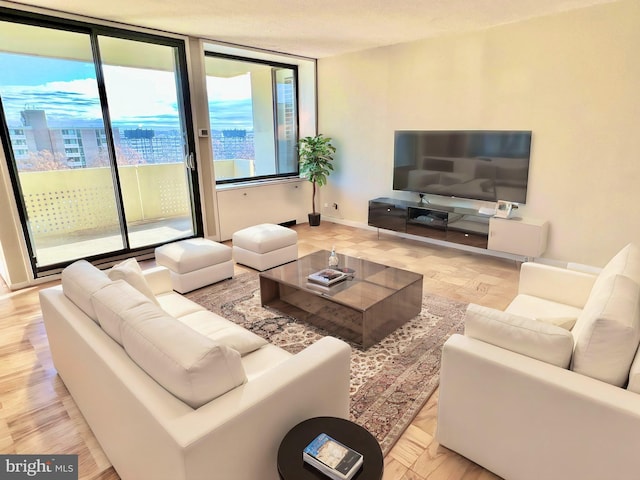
(195, 262)
(265, 246)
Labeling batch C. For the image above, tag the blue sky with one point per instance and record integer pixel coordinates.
(67, 91)
(28, 70)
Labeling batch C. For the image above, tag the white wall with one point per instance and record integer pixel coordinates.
(243, 206)
(14, 258)
(573, 79)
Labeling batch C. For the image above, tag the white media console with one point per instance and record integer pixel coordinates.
(525, 237)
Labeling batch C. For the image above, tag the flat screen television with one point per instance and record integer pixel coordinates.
(478, 165)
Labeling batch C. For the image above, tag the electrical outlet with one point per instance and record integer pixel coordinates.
(326, 205)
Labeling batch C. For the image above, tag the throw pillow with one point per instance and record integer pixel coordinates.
(539, 340)
(191, 366)
(79, 281)
(110, 301)
(626, 262)
(608, 331)
(130, 272)
(563, 322)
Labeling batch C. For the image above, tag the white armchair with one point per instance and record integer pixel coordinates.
(526, 398)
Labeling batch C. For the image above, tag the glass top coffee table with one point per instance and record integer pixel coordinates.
(374, 301)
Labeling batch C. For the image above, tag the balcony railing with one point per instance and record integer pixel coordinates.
(68, 201)
(72, 213)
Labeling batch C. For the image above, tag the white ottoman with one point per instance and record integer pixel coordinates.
(195, 262)
(265, 246)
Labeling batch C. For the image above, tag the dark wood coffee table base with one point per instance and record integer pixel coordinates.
(365, 328)
(363, 309)
(292, 467)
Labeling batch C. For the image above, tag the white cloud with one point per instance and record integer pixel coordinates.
(132, 92)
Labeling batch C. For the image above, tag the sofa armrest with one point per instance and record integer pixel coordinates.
(560, 285)
(159, 279)
(257, 415)
(524, 419)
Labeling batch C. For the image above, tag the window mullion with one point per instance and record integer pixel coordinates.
(108, 129)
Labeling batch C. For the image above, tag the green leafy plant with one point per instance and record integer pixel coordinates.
(316, 155)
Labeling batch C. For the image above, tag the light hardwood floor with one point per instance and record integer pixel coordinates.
(38, 416)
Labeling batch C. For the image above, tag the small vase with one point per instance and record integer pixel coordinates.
(333, 259)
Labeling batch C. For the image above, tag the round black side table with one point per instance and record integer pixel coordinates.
(292, 467)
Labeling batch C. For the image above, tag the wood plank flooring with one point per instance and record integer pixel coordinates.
(37, 414)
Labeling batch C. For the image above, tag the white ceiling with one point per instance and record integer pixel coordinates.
(313, 28)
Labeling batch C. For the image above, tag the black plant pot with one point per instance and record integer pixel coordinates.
(314, 219)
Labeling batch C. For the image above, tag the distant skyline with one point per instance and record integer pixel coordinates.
(67, 91)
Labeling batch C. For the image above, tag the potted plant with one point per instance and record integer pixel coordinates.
(316, 155)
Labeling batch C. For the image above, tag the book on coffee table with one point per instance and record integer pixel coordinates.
(332, 458)
(327, 276)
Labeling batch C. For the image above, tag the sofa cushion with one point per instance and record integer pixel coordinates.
(191, 366)
(177, 305)
(608, 330)
(535, 307)
(79, 281)
(130, 272)
(223, 331)
(111, 301)
(539, 340)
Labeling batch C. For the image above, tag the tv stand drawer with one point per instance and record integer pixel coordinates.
(388, 216)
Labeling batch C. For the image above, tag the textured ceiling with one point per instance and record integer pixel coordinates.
(313, 28)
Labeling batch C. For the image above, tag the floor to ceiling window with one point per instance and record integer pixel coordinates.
(98, 138)
(253, 112)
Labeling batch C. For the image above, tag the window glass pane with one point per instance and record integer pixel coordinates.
(253, 119)
(142, 94)
(63, 154)
(51, 105)
(287, 120)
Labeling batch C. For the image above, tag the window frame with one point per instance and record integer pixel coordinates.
(93, 31)
(276, 64)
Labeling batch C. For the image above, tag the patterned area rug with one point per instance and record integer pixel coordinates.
(390, 381)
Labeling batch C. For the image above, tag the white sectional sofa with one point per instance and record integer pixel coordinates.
(529, 395)
(173, 391)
